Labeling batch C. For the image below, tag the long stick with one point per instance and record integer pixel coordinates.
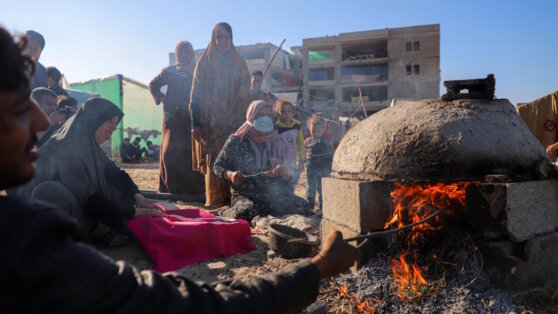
(372, 234)
(386, 232)
(273, 57)
(362, 103)
(299, 86)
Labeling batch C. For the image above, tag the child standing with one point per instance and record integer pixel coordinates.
(291, 130)
(319, 156)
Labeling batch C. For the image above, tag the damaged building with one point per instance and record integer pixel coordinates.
(380, 65)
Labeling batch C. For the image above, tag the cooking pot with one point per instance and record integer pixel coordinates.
(280, 241)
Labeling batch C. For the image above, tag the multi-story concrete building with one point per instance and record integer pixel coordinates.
(375, 66)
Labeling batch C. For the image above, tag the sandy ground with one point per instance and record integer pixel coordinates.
(254, 263)
(145, 175)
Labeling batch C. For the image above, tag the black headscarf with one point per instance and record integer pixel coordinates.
(73, 157)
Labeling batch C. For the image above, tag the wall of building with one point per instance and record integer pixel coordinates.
(376, 63)
(426, 83)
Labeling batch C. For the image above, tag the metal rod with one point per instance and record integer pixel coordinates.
(273, 57)
(173, 197)
(390, 231)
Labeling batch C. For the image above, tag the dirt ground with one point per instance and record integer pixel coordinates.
(258, 262)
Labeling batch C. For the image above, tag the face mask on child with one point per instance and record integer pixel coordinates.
(263, 124)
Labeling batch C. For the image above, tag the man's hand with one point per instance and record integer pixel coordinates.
(336, 256)
(197, 133)
(236, 177)
(552, 148)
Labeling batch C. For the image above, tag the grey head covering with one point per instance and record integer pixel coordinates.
(73, 157)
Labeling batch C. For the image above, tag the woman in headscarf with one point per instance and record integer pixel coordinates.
(175, 174)
(260, 165)
(75, 174)
(220, 95)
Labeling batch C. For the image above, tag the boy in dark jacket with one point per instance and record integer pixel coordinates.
(319, 155)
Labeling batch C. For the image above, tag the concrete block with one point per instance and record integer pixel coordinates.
(500, 261)
(327, 227)
(519, 209)
(522, 266)
(361, 206)
(540, 269)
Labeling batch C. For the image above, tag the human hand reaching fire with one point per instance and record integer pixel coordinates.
(336, 256)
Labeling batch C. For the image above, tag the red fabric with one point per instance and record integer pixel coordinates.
(173, 243)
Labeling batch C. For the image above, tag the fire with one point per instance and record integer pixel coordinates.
(362, 306)
(413, 203)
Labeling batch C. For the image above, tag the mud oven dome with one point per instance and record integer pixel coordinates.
(511, 195)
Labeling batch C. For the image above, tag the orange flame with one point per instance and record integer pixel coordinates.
(413, 203)
(362, 306)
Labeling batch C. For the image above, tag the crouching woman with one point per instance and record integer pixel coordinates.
(75, 174)
(260, 166)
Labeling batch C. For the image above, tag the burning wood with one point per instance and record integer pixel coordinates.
(413, 203)
(361, 306)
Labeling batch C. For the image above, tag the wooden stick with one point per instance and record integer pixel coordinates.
(362, 103)
(273, 57)
(390, 231)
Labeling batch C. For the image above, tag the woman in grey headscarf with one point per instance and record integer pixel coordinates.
(75, 174)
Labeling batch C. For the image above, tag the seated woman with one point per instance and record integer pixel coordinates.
(260, 165)
(75, 174)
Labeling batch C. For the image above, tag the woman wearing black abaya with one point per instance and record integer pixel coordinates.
(175, 173)
(75, 174)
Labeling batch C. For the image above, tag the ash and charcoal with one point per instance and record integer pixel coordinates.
(456, 283)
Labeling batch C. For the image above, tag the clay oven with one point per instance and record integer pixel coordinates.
(512, 198)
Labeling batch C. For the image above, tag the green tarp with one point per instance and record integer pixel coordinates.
(312, 55)
(142, 118)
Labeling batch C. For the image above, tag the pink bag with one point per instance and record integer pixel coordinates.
(188, 236)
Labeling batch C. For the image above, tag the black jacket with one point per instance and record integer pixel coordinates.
(45, 267)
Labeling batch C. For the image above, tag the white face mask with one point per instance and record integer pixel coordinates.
(263, 124)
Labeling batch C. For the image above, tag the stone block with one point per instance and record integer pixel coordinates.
(522, 266)
(520, 210)
(361, 206)
(500, 261)
(540, 268)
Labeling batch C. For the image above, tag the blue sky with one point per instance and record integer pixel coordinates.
(515, 40)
